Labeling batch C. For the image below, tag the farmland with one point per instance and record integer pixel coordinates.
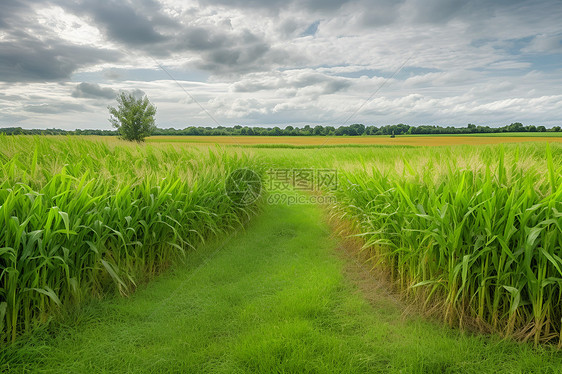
(467, 233)
(475, 230)
(408, 140)
(80, 218)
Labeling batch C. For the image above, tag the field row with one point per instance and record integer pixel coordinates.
(80, 219)
(475, 233)
(476, 237)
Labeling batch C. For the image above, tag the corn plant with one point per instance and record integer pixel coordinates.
(81, 218)
(481, 238)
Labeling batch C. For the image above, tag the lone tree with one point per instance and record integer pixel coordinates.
(133, 118)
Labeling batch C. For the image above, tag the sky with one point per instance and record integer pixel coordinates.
(282, 62)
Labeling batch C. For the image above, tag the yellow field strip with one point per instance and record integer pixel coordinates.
(375, 140)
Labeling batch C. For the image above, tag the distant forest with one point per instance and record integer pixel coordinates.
(351, 130)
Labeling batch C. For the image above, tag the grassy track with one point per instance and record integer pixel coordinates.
(272, 299)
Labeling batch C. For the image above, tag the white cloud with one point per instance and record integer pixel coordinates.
(544, 43)
(475, 61)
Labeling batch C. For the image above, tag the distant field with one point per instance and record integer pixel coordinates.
(411, 140)
(469, 234)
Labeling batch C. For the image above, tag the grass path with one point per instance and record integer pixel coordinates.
(271, 299)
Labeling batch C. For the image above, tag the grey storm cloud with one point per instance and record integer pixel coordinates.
(93, 91)
(132, 24)
(383, 12)
(240, 58)
(32, 53)
(145, 27)
(32, 60)
(11, 11)
(201, 39)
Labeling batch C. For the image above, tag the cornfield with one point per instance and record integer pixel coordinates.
(81, 218)
(477, 231)
(473, 232)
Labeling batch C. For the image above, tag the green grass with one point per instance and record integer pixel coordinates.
(271, 299)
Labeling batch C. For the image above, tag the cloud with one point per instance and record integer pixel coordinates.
(92, 91)
(30, 52)
(137, 93)
(296, 82)
(134, 24)
(54, 108)
(5, 97)
(550, 44)
(11, 11)
(209, 42)
(434, 11)
(277, 5)
(201, 39)
(31, 60)
(276, 61)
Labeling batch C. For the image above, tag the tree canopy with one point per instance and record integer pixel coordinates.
(134, 117)
(318, 130)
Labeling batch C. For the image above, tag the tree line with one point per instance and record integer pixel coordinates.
(351, 130)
